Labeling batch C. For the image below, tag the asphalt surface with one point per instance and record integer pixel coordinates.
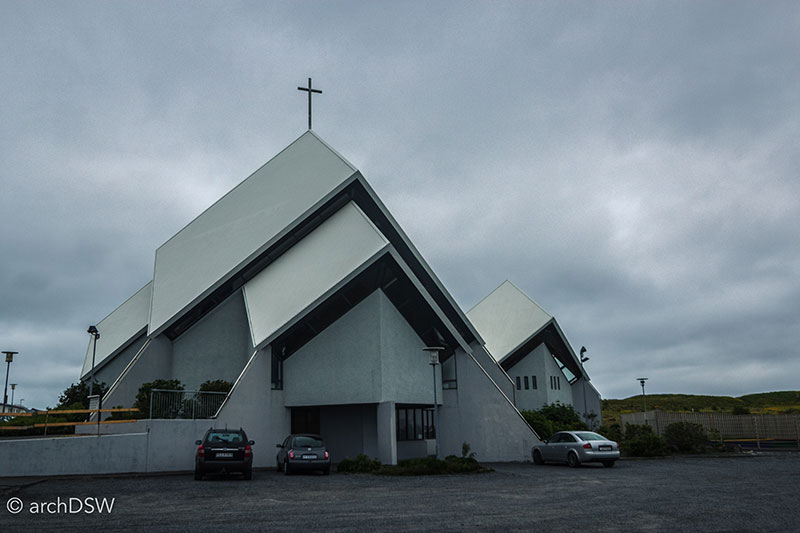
(754, 493)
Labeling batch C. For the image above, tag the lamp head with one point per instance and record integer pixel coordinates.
(92, 330)
(10, 356)
(583, 350)
(434, 352)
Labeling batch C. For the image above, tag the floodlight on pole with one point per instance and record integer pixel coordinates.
(434, 353)
(95, 335)
(9, 359)
(644, 397)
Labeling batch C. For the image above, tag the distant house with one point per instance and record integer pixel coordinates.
(300, 288)
(530, 346)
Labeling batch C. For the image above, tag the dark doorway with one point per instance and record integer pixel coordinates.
(305, 420)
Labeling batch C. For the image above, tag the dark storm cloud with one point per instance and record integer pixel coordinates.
(631, 167)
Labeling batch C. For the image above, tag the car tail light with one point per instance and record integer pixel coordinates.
(588, 445)
(201, 451)
(326, 455)
(291, 454)
(248, 451)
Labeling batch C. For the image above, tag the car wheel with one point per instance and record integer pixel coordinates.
(286, 467)
(198, 475)
(248, 474)
(608, 464)
(537, 458)
(572, 460)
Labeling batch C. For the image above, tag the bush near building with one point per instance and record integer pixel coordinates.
(686, 437)
(552, 418)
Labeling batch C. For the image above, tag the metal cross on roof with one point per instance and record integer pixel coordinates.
(310, 90)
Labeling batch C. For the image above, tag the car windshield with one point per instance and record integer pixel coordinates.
(304, 441)
(588, 435)
(225, 438)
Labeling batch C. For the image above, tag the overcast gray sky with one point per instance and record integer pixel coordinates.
(633, 167)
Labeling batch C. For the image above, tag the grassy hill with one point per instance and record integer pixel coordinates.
(763, 403)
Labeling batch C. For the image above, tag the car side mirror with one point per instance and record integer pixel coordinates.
(251, 442)
(198, 442)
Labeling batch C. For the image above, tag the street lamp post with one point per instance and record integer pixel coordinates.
(644, 398)
(583, 359)
(95, 335)
(434, 352)
(13, 386)
(9, 359)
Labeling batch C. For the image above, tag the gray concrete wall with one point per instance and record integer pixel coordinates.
(341, 365)
(349, 430)
(479, 414)
(257, 409)
(154, 362)
(594, 403)
(406, 373)
(109, 372)
(540, 363)
(216, 347)
(531, 365)
(369, 355)
(163, 446)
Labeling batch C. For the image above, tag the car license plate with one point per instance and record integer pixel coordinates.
(307, 456)
(605, 448)
(225, 455)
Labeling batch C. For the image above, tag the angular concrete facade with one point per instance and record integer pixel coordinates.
(530, 346)
(301, 289)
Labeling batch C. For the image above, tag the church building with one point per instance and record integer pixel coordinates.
(300, 288)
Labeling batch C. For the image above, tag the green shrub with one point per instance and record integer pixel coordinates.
(143, 396)
(640, 441)
(552, 418)
(740, 410)
(361, 464)
(612, 432)
(686, 437)
(218, 385)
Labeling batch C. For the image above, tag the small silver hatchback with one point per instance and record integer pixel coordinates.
(576, 447)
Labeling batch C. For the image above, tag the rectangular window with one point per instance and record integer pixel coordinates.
(415, 423)
(526, 382)
(277, 372)
(518, 383)
(533, 382)
(558, 380)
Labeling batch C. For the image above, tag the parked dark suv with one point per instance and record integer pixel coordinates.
(224, 450)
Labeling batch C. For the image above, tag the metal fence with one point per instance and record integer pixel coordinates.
(728, 427)
(189, 404)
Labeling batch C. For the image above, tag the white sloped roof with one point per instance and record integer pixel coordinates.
(242, 224)
(309, 270)
(122, 326)
(506, 318)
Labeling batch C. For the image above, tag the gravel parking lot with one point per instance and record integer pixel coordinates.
(757, 493)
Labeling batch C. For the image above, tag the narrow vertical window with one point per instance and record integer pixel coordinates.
(518, 383)
(533, 382)
(526, 382)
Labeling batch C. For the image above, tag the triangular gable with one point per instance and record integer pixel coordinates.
(241, 224)
(513, 325)
(506, 318)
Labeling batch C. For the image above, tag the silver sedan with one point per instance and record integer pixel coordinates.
(576, 447)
